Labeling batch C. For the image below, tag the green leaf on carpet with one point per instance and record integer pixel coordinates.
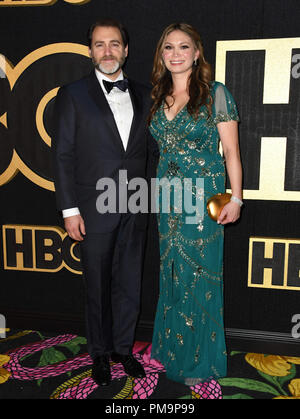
(248, 384)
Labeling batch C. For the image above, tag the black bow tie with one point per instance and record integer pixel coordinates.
(120, 84)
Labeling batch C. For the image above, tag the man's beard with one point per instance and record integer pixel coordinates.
(112, 70)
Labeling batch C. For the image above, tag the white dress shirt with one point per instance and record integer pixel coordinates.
(121, 107)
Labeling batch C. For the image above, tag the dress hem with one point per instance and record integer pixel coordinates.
(189, 381)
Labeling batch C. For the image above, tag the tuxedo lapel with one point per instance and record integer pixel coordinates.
(107, 116)
(137, 105)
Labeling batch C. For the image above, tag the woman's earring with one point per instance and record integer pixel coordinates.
(195, 62)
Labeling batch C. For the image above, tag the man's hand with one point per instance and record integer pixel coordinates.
(75, 227)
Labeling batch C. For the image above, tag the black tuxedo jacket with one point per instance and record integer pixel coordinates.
(87, 146)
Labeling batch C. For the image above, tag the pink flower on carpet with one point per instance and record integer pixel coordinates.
(207, 390)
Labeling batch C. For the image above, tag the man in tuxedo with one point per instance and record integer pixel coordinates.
(101, 129)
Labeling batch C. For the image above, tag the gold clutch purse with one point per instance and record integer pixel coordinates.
(216, 203)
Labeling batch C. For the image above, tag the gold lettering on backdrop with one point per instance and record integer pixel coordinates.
(13, 3)
(39, 115)
(278, 58)
(274, 263)
(12, 74)
(38, 249)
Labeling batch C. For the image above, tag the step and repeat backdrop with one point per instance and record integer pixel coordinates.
(254, 49)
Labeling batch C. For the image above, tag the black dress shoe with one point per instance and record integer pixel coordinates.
(101, 370)
(131, 366)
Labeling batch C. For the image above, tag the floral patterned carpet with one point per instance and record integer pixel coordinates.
(34, 366)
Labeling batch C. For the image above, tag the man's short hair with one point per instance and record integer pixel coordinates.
(107, 22)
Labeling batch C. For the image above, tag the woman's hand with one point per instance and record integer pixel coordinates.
(230, 213)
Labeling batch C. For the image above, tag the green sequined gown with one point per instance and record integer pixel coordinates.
(188, 337)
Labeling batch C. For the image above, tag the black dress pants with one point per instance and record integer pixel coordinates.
(112, 268)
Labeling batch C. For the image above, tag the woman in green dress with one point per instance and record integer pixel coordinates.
(189, 116)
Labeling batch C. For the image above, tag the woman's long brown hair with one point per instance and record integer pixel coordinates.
(199, 88)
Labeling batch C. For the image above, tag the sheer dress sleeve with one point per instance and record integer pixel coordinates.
(224, 107)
